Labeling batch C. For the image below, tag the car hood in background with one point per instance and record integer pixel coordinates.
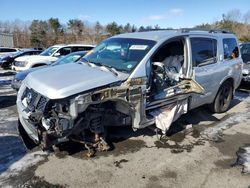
(22, 75)
(36, 58)
(65, 80)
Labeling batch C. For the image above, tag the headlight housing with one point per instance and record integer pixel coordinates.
(21, 63)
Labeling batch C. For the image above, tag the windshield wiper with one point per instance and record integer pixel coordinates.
(111, 69)
(85, 61)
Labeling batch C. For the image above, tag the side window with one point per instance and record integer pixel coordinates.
(204, 51)
(28, 53)
(231, 49)
(81, 48)
(88, 48)
(36, 52)
(12, 50)
(65, 51)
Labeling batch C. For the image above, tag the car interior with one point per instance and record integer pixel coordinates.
(168, 67)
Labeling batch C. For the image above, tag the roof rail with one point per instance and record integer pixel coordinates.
(161, 29)
(186, 30)
(219, 31)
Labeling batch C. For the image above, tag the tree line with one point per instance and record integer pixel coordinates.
(44, 33)
(233, 21)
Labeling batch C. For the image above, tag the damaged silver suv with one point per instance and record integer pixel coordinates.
(137, 79)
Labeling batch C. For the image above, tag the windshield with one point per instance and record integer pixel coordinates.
(49, 51)
(67, 59)
(123, 54)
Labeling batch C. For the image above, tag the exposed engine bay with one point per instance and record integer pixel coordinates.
(84, 118)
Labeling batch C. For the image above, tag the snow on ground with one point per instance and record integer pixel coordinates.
(241, 96)
(25, 162)
(244, 158)
(6, 90)
(7, 115)
(14, 157)
(5, 80)
(214, 132)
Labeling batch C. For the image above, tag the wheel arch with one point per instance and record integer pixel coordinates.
(227, 79)
(38, 65)
(213, 105)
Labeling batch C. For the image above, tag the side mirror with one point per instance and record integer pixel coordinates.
(221, 57)
(57, 54)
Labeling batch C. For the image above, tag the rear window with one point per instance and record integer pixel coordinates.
(231, 49)
(204, 51)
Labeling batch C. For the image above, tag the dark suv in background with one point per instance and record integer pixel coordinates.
(7, 60)
(245, 54)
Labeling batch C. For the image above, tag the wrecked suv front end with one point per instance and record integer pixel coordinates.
(49, 122)
(54, 109)
(111, 87)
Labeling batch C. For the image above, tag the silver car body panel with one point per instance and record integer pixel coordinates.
(211, 76)
(83, 78)
(131, 95)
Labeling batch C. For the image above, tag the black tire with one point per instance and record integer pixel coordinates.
(223, 98)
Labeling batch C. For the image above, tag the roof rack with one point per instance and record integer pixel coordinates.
(186, 30)
(161, 29)
(219, 31)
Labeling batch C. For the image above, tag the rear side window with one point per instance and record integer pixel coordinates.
(204, 51)
(7, 50)
(65, 51)
(81, 48)
(231, 49)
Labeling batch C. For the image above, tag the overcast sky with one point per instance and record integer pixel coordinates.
(165, 13)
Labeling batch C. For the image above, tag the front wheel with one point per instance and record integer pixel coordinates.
(223, 98)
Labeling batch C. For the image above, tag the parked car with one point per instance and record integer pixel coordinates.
(245, 54)
(7, 60)
(6, 50)
(135, 79)
(70, 58)
(48, 56)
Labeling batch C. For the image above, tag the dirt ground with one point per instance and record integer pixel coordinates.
(200, 150)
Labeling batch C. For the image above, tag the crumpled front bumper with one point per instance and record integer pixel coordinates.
(24, 114)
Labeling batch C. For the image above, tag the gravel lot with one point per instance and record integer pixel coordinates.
(201, 150)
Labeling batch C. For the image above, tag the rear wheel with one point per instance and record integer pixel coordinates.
(223, 98)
